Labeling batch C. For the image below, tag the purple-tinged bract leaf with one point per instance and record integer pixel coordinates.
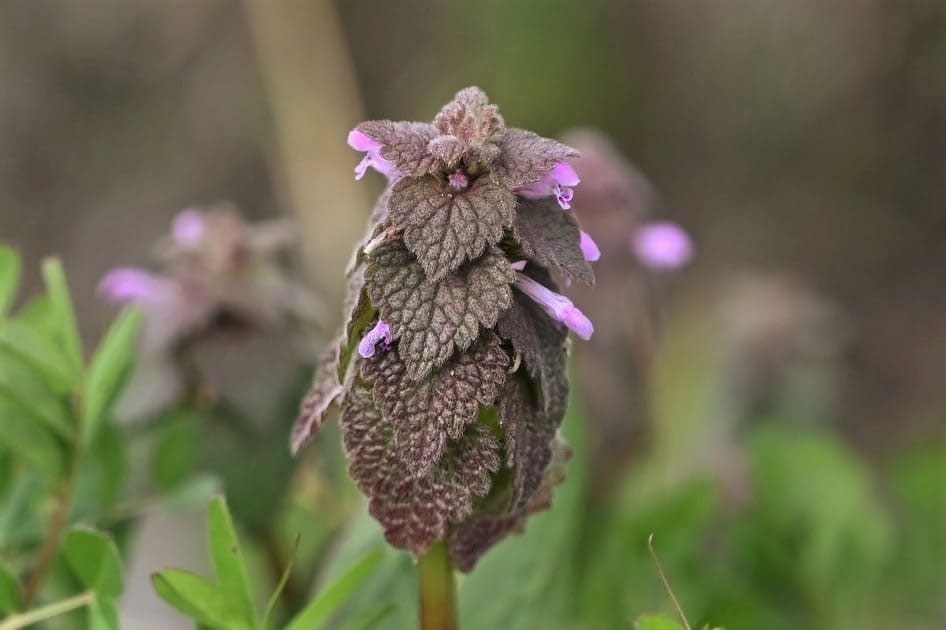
(427, 412)
(404, 144)
(324, 392)
(469, 124)
(552, 238)
(414, 509)
(542, 344)
(526, 157)
(471, 539)
(444, 227)
(433, 319)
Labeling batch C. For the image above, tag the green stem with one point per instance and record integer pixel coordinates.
(57, 524)
(438, 598)
(46, 612)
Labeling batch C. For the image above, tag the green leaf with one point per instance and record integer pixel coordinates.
(110, 364)
(228, 561)
(198, 598)
(94, 558)
(11, 594)
(177, 452)
(10, 266)
(331, 598)
(271, 604)
(656, 622)
(40, 352)
(65, 318)
(30, 442)
(102, 614)
(26, 390)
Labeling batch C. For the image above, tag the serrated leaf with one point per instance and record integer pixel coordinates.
(11, 593)
(40, 353)
(320, 610)
(111, 363)
(542, 344)
(470, 540)
(94, 558)
(432, 319)
(66, 326)
(198, 598)
(656, 622)
(10, 268)
(404, 144)
(444, 227)
(228, 561)
(323, 393)
(414, 509)
(552, 237)
(526, 157)
(427, 412)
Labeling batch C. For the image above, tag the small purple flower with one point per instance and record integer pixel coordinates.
(662, 245)
(558, 307)
(361, 142)
(188, 228)
(459, 180)
(589, 248)
(128, 284)
(380, 332)
(558, 183)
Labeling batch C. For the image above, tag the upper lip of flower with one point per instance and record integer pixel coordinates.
(558, 183)
(372, 149)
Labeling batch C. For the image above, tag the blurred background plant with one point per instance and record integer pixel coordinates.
(773, 412)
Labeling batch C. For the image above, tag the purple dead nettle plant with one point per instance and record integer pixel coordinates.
(217, 277)
(450, 367)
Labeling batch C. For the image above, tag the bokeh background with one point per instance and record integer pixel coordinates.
(784, 433)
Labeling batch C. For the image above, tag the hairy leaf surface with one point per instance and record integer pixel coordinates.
(444, 227)
(432, 319)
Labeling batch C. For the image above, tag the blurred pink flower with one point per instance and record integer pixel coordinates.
(558, 307)
(558, 183)
(188, 228)
(662, 245)
(361, 142)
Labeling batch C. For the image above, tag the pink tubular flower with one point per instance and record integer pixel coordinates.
(662, 245)
(188, 228)
(558, 183)
(361, 142)
(558, 307)
(589, 248)
(380, 332)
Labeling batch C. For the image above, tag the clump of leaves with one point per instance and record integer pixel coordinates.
(58, 448)
(228, 603)
(451, 404)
